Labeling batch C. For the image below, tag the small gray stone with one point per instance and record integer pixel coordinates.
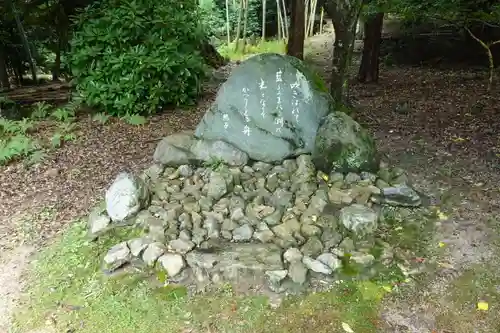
(368, 176)
(199, 235)
(237, 214)
(352, 178)
(98, 222)
(362, 258)
(172, 263)
(117, 256)
(275, 278)
(138, 245)
(185, 235)
(264, 236)
(185, 170)
(152, 252)
(272, 182)
(297, 272)
(229, 225)
(174, 150)
(330, 260)
(212, 227)
(309, 230)
(153, 172)
(274, 218)
(401, 195)
(359, 219)
(217, 186)
(338, 196)
(181, 246)
(316, 265)
(243, 233)
(292, 255)
(313, 247)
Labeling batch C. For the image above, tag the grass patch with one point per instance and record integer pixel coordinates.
(458, 310)
(271, 46)
(66, 285)
(353, 303)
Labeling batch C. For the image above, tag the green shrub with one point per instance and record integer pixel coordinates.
(136, 56)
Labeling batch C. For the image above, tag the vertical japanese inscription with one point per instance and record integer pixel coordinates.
(279, 107)
(262, 88)
(246, 128)
(295, 100)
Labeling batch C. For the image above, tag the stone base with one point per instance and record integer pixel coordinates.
(282, 228)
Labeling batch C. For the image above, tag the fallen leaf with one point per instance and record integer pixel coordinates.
(441, 244)
(445, 265)
(483, 306)
(442, 216)
(347, 328)
(314, 218)
(387, 288)
(458, 139)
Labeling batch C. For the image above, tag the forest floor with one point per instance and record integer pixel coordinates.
(440, 125)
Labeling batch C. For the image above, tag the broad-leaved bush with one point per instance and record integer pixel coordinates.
(137, 56)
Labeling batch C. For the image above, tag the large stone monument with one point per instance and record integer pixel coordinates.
(274, 186)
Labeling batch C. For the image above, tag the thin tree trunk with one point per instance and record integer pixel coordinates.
(245, 23)
(4, 76)
(312, 18)
(280, 20)
(264, 2)
(369, 68)
(344, 16)
(295, 46)
(306, 16)
(24, 39)
(228, 28)
(321, 20)
(285, 20)
(238, 27)
(56, 70)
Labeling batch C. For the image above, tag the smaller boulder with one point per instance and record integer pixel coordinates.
(126, 197)
(359, 219)
(342, 145)
(183, 148)
(174, 150)
(116, 257)
(402, 195)
(99, 222)
(172, 263)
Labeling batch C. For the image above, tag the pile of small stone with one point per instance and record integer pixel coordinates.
(286, 224)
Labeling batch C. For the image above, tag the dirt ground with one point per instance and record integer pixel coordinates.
(440, 125)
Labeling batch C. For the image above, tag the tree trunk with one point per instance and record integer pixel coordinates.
(56, 70)
(344, 17)
(245, 24)
(285, 20)
(211, 55)
(238, 27)
(24, 39)
(295, 46)
(4, 76)
(263, 21)
(340, 63)
(228, 28)
(369, 68)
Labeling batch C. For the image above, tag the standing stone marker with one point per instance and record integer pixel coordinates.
(270, 107)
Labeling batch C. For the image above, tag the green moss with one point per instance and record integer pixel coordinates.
(318, 83)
